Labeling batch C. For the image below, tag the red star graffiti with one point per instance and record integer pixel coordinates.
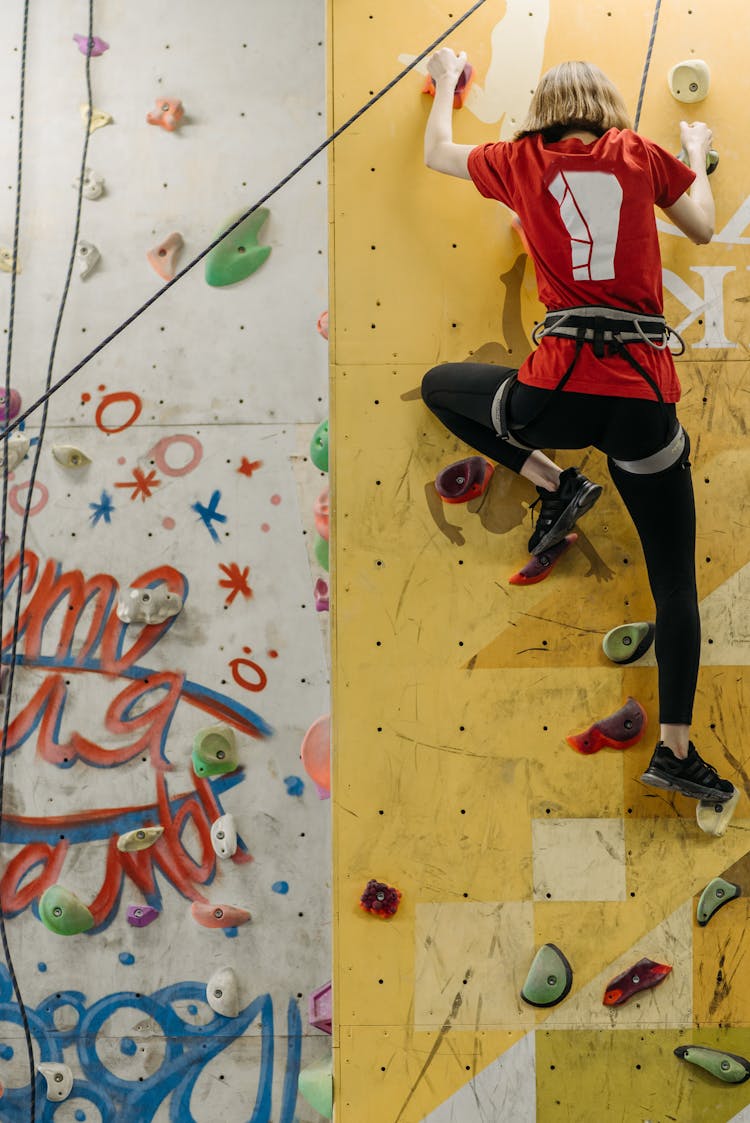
(236, 581)
(247, 467)
(141, 484)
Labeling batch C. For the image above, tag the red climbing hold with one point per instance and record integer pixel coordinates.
(380, 899)
(538, 568)
(618, 731)
(642, 975)
(464, 480)
(462, 86)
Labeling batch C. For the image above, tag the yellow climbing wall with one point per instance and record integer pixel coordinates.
(453, 691)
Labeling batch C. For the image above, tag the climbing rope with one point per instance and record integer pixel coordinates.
(647, 64)
(52, 389)
(11, 657)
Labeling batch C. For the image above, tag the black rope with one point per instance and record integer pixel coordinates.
(3, 521)
(30, 491)
(647, 64)
(245, 215)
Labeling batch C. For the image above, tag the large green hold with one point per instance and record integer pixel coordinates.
(726, 1066)
(549, 979)
(628, 642)
(321, 552)
(215, 751)
(316, 1085)
(319, 447)
(239, 254)
(716, 894)
(63, 913)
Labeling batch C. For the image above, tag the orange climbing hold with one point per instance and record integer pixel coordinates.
(169, 113)
(316, 755)
(163, 258)
(462, 86)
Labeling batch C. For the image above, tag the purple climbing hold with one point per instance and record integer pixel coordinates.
(141, 915)
(464, 480)
(93, 46)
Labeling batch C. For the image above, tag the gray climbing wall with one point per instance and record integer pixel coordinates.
(197, 422)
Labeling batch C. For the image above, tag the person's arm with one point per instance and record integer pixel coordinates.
(694, 213)
(440, 153)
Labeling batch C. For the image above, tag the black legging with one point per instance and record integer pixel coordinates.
(661, 506)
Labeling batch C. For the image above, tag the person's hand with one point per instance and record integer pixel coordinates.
(446, 66)
(696, 138)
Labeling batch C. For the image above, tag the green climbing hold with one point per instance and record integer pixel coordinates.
(239, 254)
(549, 979)
(63, 913)
(726, 1066)
(319, 447)
(316, 1085)
(628, 642)
(716, 894)
(214, 751)
(321, 552)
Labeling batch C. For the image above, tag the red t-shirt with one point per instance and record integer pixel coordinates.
(587, 213)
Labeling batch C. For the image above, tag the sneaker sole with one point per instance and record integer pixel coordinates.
(568, 518)
(686, 788)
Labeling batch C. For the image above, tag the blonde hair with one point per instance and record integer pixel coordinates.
(575, 95)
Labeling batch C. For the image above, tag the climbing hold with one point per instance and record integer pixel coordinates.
(239, 254)
(464, 480)
(148, 606)
(59, 1080)
(627, 642)
(380, 899)
(620, 730)
(18, 446)
(717, 893)
(168, 114)
(321, 514)
(215, 751)
(714, 816)
(316, 754)
(9, 411)
(218, 916)
(93, 184)
(139, 839)
(316, 1086)
(223, 993)
(320, 548)
(70, 456)
(96, 118)
(641, 976)
(689, 81)
(224, 836)
(320, 592)
(549, 979)
(140, 916)
(462, 86)
(93, 46)
(63, 913)
(712, 159)
(6, 260)
(319, 447)
(320, 1008)
(727, 1066)
(88, 257)
(323, 324)
(539, 567)
(163, 258)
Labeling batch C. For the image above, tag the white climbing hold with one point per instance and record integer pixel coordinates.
(59, 1080)
(224, 836)
(148, 606)
(18, 446)
(223, 993)
(70, 456)
(88, 257)
(139, 839)
(93, 184)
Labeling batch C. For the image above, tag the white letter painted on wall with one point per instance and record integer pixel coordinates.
(710, 307)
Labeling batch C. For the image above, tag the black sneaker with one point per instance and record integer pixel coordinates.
(560, 509)
(692, 776)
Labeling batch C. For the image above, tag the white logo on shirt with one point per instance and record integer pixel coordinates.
(590, 204)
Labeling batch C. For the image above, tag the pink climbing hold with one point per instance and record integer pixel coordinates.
(218, 916)
(322, 600)
(163, 258)
(320, 1008)
(93, 46)
(323, 324)
(320, 513)
(9, 411)
(620, 730)
(316, 755)
(169, 112)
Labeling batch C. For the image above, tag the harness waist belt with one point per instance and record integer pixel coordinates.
(601, 325)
